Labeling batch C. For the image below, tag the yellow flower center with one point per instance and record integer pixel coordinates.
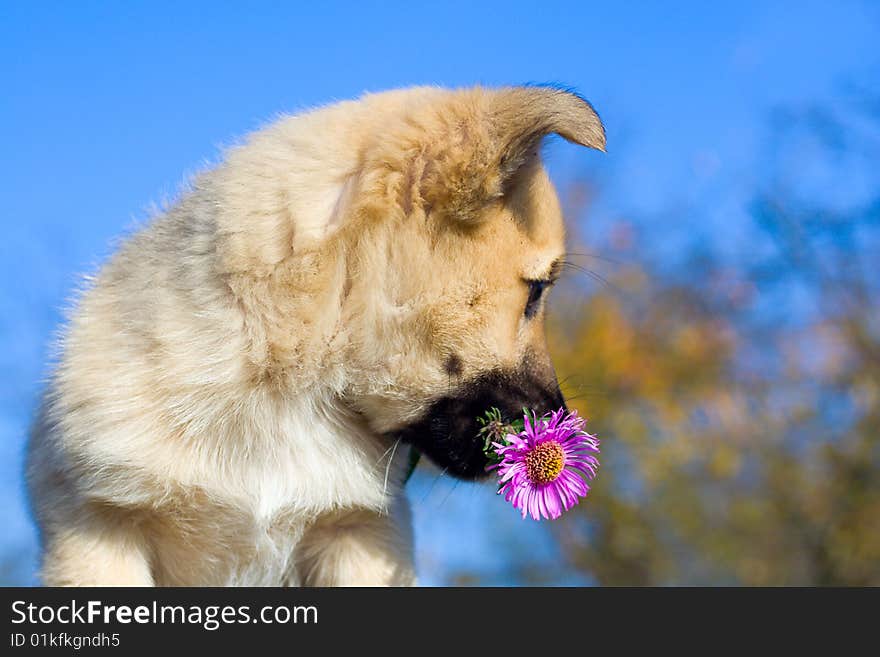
(544, 462)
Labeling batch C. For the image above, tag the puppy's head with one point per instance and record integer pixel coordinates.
(451, 236)
(447, 295)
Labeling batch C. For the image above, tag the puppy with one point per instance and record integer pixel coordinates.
(238, 388)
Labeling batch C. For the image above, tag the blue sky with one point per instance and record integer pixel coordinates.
(107, 106)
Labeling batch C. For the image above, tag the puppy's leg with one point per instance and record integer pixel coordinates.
(358, 548)
(96, 552)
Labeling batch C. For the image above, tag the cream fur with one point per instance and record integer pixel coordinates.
(218, 409)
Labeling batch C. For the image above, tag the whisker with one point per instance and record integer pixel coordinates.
(388, 467)
(592, 274)
(576, 385)
(594, 255)
(433, 485)
(451, 491)
(585, 395)
(394, 446)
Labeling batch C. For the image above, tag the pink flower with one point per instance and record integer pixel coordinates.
(544, 468)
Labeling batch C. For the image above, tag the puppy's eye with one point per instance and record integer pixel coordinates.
(536, 291)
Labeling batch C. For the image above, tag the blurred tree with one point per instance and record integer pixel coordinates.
(739, 399)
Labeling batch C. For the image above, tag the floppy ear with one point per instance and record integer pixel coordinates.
(498, 139)
(522, 116)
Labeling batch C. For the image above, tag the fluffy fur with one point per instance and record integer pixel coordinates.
(235, 387)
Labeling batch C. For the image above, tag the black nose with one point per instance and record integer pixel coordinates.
(448, 432)
(523, 392)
